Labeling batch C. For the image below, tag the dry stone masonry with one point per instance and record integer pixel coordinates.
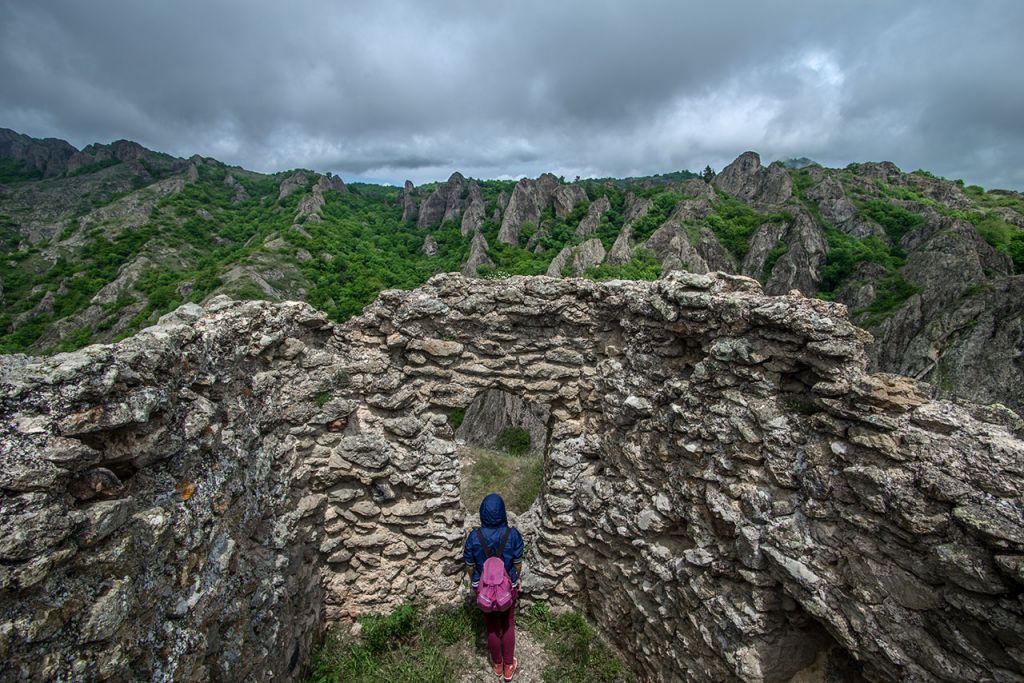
(727, 491)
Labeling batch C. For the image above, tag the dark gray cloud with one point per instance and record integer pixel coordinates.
(391, 90)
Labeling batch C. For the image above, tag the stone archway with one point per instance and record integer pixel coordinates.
(723, 475)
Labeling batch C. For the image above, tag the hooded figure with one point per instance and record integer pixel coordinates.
(501, 626)
(493, 522)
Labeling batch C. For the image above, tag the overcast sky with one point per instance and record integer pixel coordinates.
(414, 89)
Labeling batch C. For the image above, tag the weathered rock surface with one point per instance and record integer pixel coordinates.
(493, 411)
(407, 200)
(241, 195)
(477, 255)
(473, 217)
(311, 205)
(746, 179)
(622, 249)
(799, 267)
(727, 491)
(430, 247)
(574, 260)
(566, 197)
(291, 184)
(683, 247)
(445, 203)
(588, 225)
(49, 156)
(529, 198)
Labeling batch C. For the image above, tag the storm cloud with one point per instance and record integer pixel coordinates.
(396, 90)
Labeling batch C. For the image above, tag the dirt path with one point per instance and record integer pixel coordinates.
(530, 653)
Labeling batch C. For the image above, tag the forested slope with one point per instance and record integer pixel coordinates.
(100, 242)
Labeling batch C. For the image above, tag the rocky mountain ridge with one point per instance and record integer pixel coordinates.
(101, 242)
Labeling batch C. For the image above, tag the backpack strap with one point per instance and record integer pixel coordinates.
(501, 548)
(487, 549)
(483, 543)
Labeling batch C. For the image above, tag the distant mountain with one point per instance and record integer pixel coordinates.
(100, 242)
(797, 164)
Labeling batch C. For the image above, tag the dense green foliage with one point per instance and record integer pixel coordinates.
(456, 416)
(890, 293)
(199, 240)
(15, 171)
(846, 251)
(371, 250)
(642, 266)
(895, 220)
(93, 167)
(513, 440)
(733, 222)
(661, 207)
(993, 227)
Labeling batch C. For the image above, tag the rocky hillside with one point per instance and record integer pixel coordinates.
(100, 242)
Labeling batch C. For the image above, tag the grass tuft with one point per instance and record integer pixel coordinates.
(577, 654)
(405, 646)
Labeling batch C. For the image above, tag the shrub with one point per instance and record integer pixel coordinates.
(890, 294)
(846, 251)
(895, 220)
(403, 646)
(777, 252)
(642, 266)
(513, 440)
(456, 416)
(734, 223)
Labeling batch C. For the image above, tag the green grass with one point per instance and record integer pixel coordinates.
(576, 653)
(413, 645)
(517, 478)
(405, 646)
(12, 171)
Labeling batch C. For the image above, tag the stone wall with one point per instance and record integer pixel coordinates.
(727, 491)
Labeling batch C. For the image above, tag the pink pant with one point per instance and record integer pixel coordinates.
(501, 634)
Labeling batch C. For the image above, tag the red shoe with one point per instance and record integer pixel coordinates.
(499, 669)
(511, 669)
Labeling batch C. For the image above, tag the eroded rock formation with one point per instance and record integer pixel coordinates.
(727, 490)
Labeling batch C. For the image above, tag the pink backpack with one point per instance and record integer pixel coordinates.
(494, 592)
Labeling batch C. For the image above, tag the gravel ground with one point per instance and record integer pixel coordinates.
(530, 653)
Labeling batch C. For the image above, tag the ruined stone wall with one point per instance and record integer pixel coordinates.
(726, 491)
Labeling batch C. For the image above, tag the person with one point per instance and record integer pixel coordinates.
(501, 626)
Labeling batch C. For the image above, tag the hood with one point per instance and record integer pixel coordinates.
(492, 511)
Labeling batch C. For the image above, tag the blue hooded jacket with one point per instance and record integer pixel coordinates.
(493, 522)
